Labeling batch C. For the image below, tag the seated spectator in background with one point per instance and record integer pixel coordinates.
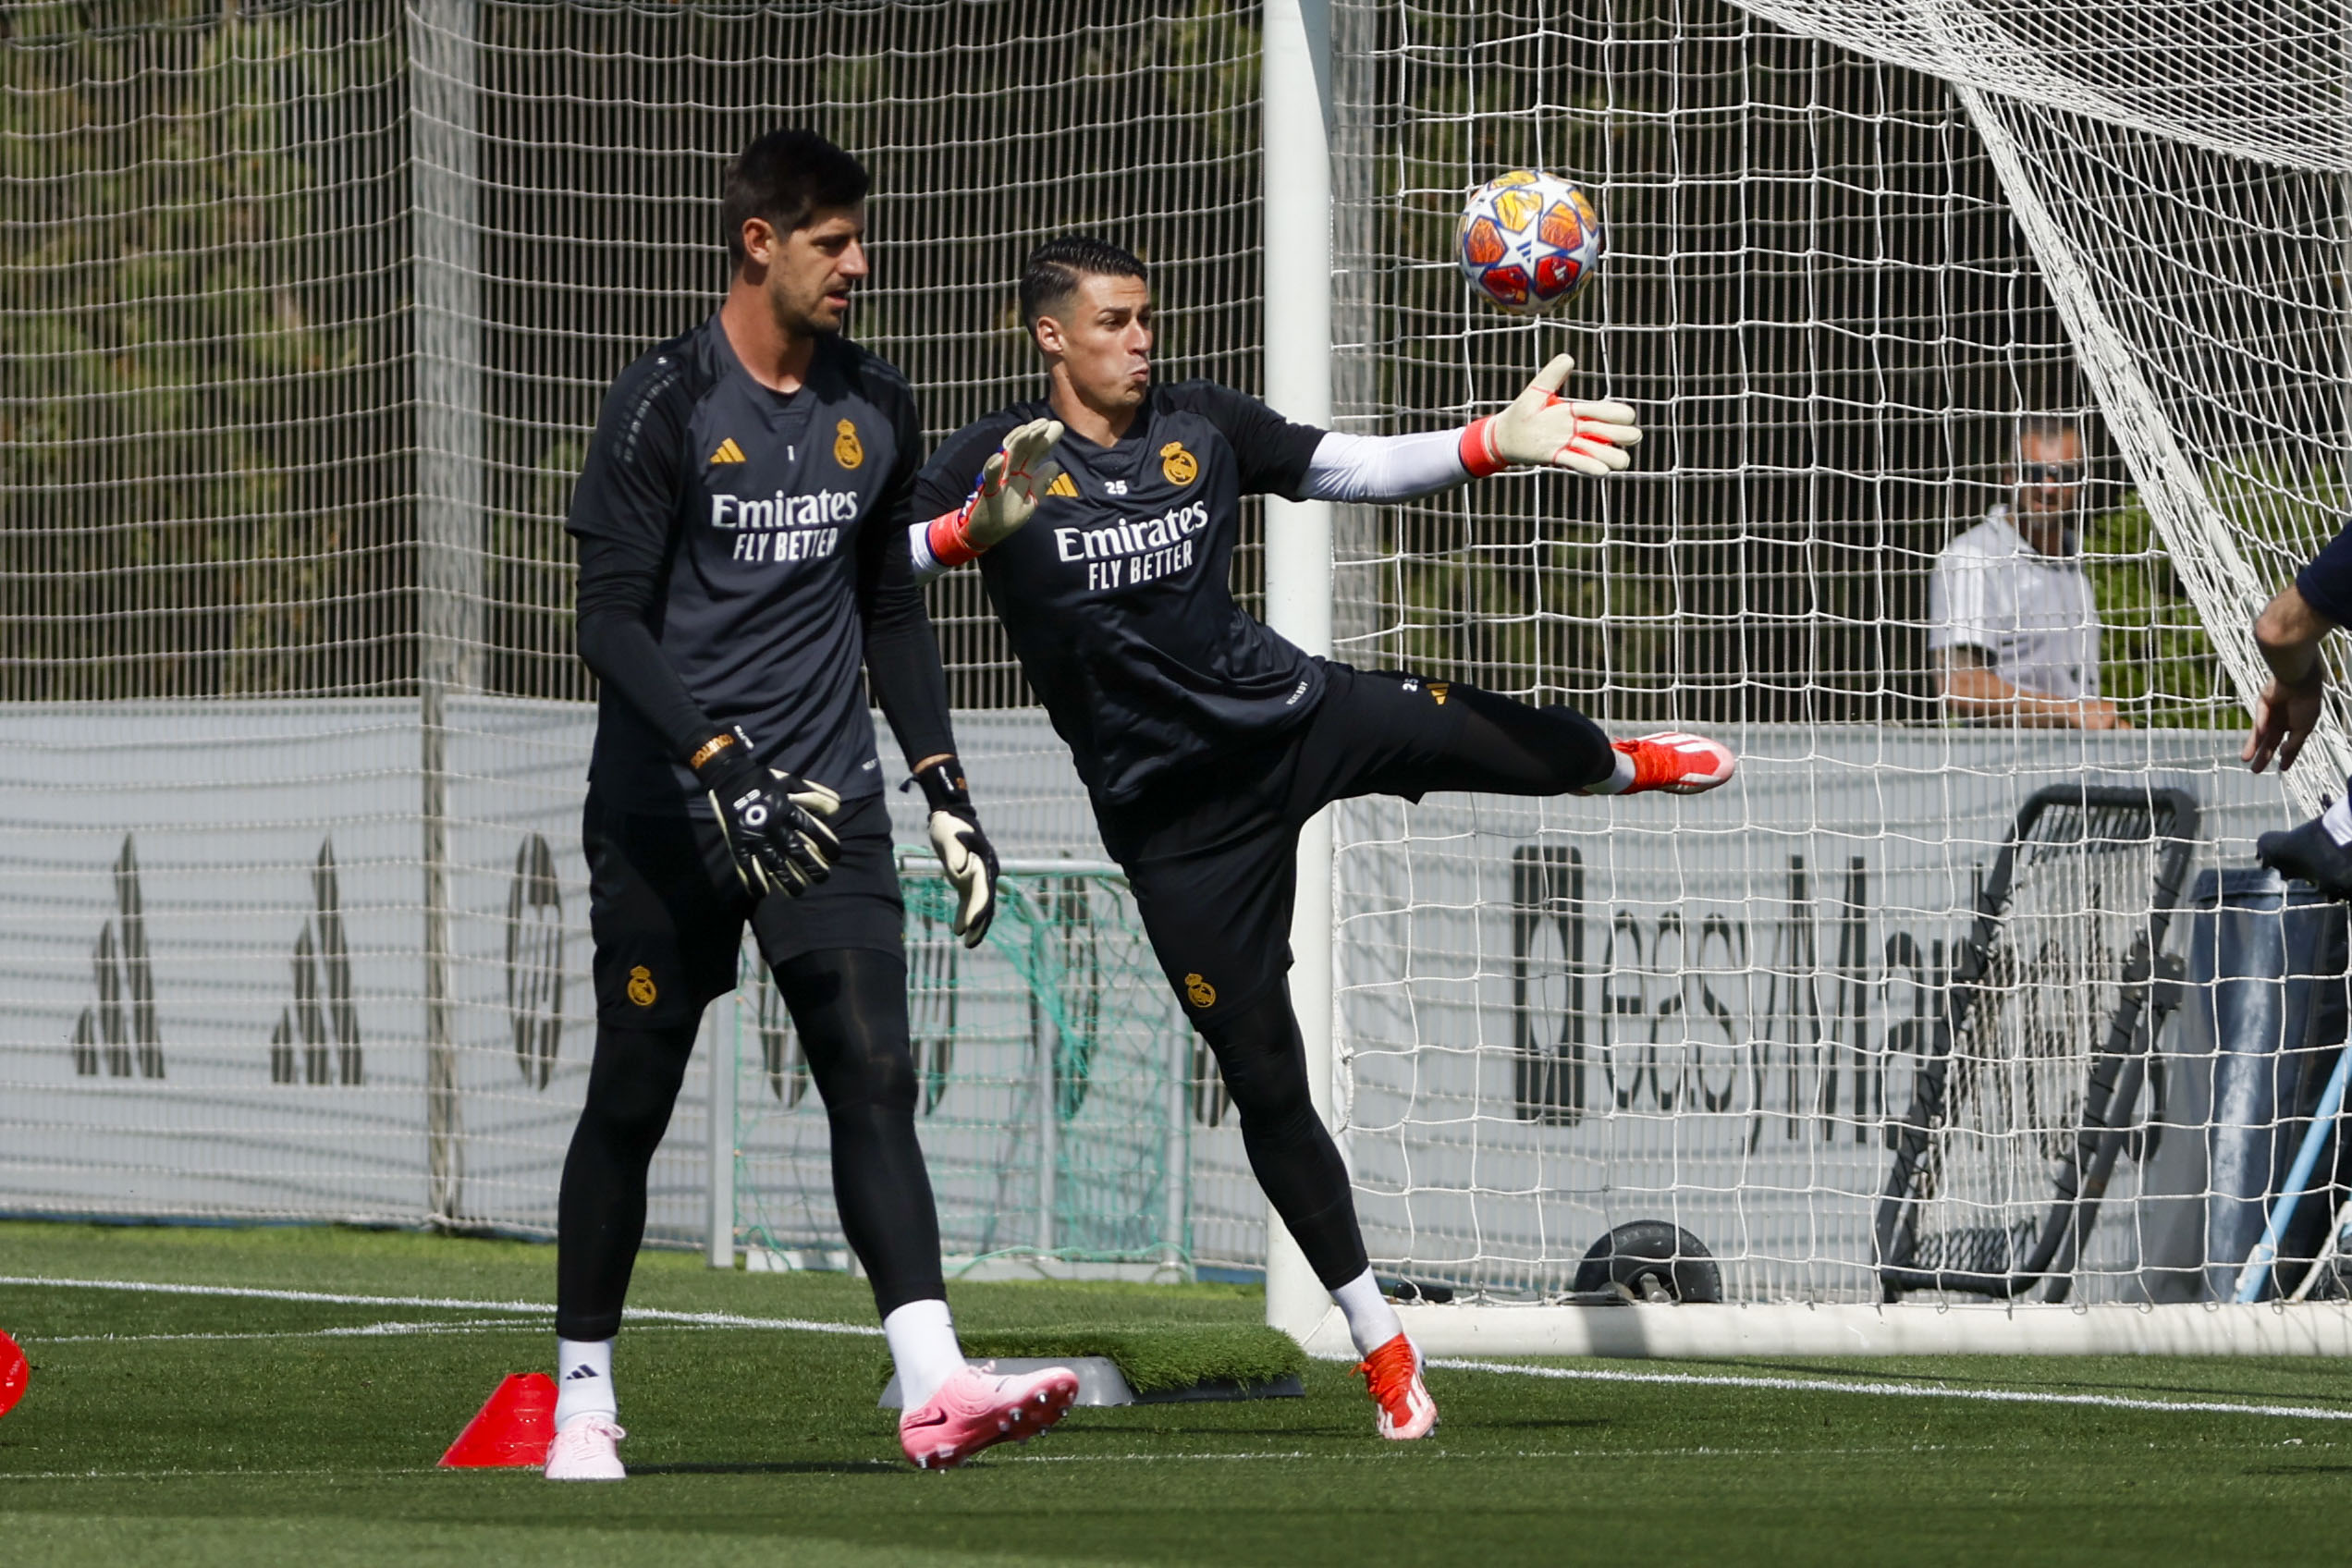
(2012, 624)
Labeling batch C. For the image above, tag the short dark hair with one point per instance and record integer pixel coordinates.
(786, 177)
(1049, 278)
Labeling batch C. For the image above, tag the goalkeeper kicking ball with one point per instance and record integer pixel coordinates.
(1528, 242)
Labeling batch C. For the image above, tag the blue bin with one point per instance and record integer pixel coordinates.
(2260, 1028)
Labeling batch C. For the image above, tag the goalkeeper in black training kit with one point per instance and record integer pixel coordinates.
(1206, 740)
(742, 521)
(2289, 633)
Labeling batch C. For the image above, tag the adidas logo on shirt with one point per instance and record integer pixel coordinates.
(728, 452)
(1064, 486)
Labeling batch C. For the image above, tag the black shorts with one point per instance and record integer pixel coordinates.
(1212, 856)
(667, 911)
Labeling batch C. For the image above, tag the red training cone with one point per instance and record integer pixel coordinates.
(14, 1374)
(514, 1426)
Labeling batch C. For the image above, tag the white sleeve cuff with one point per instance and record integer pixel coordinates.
(1384, 468)
(927, 565)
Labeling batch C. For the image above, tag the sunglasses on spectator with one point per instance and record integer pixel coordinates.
(2049, 473)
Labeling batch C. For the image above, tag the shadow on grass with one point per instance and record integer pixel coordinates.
(1492, 1423)
(779, 1468)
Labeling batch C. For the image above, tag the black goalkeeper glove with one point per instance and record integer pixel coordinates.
(774, 823)
(966, 854)
(2319, 852)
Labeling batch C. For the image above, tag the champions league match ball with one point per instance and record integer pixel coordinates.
(1528, 242)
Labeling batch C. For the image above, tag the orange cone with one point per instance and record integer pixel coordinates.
(13, 1374)
(513, 1428)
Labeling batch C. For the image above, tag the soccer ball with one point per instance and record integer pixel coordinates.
(1529, 242)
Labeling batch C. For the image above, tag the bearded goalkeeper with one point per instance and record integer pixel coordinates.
(742, 521)
(1206, 740)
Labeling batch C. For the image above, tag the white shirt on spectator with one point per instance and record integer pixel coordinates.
(2032, 614)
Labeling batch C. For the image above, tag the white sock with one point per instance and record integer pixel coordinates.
(1372, 1322)
(923, 1348)
(1618, 782)
(583, 1381)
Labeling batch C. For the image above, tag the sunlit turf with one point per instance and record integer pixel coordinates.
(260, 1437)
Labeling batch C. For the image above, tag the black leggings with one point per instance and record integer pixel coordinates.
(1263, 1061)
(1508, 747)
(1500, 747)
(850, 1008)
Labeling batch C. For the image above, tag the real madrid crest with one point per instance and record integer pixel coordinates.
(1180, 466)
(846, 450)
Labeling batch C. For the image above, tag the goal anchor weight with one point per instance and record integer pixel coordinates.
(1649, 1260)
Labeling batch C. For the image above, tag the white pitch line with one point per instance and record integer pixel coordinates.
(1592, 1375)
(356, 1330)
(1898, 1391)
(359, 1331)
(255, 1292)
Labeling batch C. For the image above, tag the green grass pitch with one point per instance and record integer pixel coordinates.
(236, 1429)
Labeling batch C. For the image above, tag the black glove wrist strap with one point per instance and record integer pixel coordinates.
(730, 769)
(942, 785)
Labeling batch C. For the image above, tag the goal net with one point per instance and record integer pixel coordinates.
(1851, 251)
(310, 308)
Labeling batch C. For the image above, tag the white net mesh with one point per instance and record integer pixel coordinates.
(1837, 282)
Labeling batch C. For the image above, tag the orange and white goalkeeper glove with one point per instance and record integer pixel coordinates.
(1541, 429)
(1012, 482)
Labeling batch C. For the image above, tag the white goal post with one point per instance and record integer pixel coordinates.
(1296, 88)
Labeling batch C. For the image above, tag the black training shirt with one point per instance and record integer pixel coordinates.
(2326, 584)
(760, 537)
(1116, 593)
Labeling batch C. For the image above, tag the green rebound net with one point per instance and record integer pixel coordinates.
(1058, 1087)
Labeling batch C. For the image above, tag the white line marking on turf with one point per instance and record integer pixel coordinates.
(422, 1330)
(256, 1292)
(355, 1331)
(651, 1316)
(1901, 1390)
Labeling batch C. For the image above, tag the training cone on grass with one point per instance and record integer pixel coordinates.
(513, 1428)
(14, 1373)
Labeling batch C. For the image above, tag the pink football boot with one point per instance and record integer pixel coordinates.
(974, 1410)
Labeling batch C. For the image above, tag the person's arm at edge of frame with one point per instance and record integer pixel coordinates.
(2288, 633)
